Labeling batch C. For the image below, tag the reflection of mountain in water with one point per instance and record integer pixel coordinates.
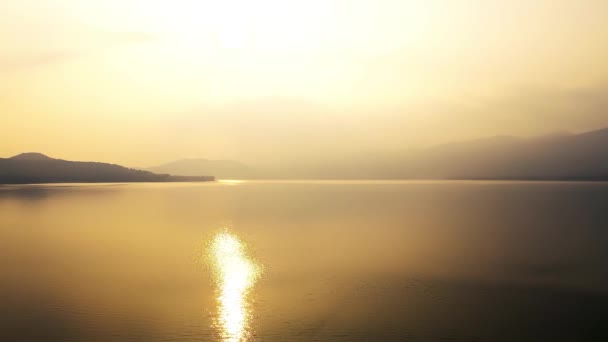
(38, 168)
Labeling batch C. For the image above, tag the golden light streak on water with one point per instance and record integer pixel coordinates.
(235, 274)
(231, 181)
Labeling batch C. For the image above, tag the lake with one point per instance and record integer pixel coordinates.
(304, 261)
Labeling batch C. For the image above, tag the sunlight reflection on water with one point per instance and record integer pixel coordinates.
(235, 273)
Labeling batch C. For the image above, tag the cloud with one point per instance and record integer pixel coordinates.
(33, 60)
(96, 41)
(529, 111)
(124, 38)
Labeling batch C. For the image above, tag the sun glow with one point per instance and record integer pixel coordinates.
(219, 52)
(235, 274)
(230, 24)
(317, 28)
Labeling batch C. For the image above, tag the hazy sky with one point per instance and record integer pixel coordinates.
(141, 82)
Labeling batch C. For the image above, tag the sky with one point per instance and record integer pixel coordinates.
(143, 82)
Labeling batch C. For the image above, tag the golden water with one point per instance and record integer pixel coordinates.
(341, 261)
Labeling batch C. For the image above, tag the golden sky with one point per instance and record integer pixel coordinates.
(141, 82)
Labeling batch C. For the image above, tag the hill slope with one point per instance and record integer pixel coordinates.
(37, 168)
(557, 157)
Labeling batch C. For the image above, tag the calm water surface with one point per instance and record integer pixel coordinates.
(304, 261)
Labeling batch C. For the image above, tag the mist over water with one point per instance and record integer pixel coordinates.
(342, 261)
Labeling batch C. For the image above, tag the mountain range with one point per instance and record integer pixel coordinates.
(559, 156)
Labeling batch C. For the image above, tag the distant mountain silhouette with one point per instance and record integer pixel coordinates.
(222, 169)
(37, 168)
(554, 157)
(559, 156)
(31, 156)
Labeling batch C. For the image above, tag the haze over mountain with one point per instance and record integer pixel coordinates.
(224, 169)
(28, 168)
(559, 156)
(552, 157)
